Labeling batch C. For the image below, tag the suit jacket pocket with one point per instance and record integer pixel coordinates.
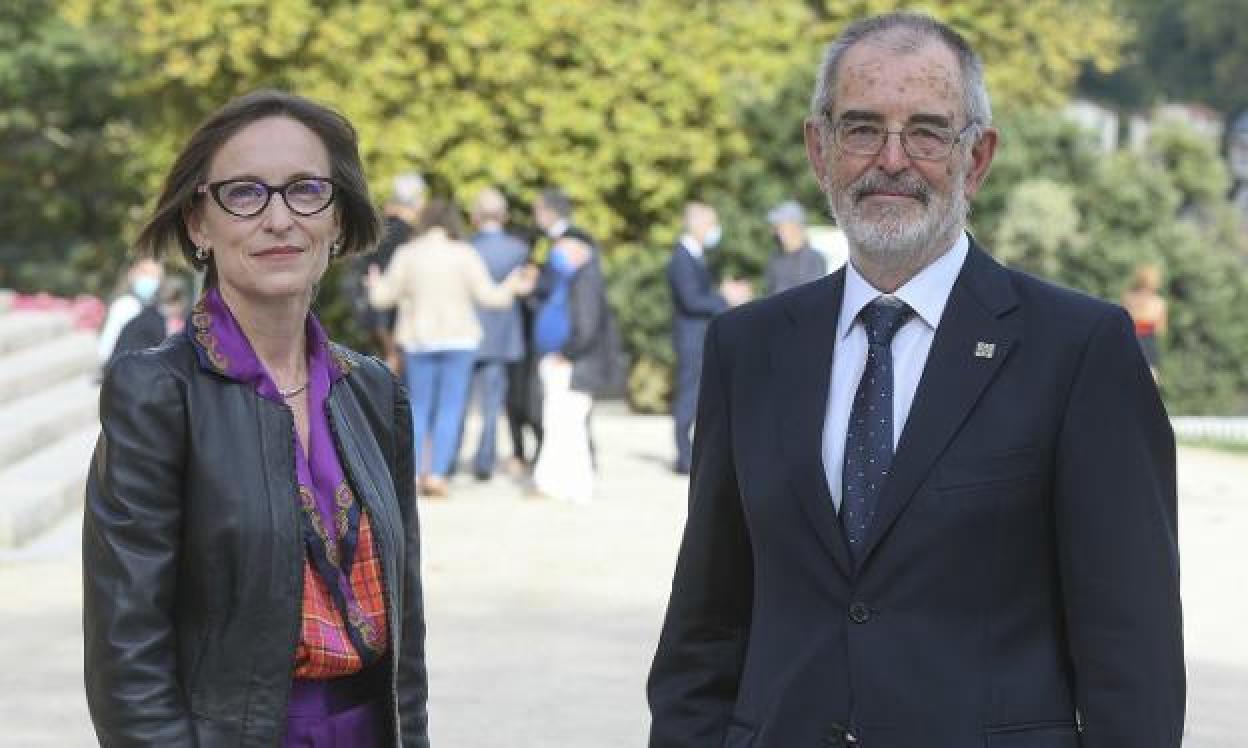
(738, 736)
(965, 471)
(1048, 735)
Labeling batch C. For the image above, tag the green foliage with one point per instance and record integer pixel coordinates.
(1087, 220)
(1040, 226)
(633, 107)
(1182, 51)
(1033, 49)
(65, 170)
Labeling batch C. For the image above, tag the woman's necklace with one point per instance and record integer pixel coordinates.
(288, 393)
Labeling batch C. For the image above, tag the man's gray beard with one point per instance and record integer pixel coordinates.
(893, 241)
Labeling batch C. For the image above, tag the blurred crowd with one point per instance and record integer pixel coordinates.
(485, 321)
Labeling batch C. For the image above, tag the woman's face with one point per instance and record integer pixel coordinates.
(276, 253)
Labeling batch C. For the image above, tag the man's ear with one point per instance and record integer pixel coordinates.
(982, 151)
(816, 150)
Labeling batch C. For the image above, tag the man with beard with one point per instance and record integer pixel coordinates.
(932, 499)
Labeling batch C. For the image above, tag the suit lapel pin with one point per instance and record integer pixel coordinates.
(985, 350)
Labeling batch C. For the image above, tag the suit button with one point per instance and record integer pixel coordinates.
(859, 613)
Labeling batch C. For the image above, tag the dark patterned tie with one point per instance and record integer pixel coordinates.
(869, 438)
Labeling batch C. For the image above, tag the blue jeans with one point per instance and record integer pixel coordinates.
(491, 382)
(437, 383)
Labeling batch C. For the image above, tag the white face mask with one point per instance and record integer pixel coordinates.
(145, 287)
(713, 236)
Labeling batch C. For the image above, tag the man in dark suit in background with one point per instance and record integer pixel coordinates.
(502, 343)
(933, 499)
(552, 212)
(695, 300)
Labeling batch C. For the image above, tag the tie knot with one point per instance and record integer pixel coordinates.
(882, 318)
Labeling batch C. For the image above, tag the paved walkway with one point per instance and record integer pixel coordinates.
(543, 616)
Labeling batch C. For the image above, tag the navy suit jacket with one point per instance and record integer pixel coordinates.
(1019, 586)
(695, 299)
(502, 331)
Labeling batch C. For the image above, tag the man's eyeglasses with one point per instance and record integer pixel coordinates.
(246, 197)
(920, 141)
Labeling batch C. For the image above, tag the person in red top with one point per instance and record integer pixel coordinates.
(1149, 312)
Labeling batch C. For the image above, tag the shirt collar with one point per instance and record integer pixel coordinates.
(557, 229)
(926, 293)
(693, 245)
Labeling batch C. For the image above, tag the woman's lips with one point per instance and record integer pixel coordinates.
(279, 252)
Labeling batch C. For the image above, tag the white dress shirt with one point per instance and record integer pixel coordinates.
(925, 293)
(693, 246)
(557, 229)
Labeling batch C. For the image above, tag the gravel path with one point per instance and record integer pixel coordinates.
(543, 616)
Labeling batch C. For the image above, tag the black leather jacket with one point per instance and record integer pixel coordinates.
(193, 557)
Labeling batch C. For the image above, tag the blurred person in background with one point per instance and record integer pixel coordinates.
(175, 304)
(794, 262)
(251, 561)
(696, 298)
(157, 321)
(502, 347)
(575, 337)
(1149, 312)
(436, 280)
(408, 194)
(142, 282)
(552, 213)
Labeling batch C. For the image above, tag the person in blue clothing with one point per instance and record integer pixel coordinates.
(695, 299)
(575, 339)
(502, 343)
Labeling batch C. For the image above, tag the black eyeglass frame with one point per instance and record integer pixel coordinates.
(901, 134)
(214, 189)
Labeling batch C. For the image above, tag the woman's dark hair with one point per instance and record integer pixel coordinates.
(439, 213)
(361, 225)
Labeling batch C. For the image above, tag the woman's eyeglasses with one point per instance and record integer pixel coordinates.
(246, 197)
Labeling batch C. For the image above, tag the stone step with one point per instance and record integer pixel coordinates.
(31, 422)
(37, 491)
(37, 367)
(22, 329)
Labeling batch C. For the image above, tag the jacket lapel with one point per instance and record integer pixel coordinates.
(365, 470)
(975, 336)
(802, 363)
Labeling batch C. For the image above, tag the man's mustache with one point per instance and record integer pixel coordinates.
(908, 185)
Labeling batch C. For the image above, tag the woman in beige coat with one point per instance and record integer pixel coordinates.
(436, 281)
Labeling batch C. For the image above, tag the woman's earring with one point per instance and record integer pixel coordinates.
(335, 249)
(201, 253)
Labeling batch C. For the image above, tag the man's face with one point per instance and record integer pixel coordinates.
(892, 205)
(790, 236)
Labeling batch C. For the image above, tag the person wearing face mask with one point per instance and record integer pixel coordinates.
(159, 318)
(574, 337)
(143, 279)
(794, 262)
(695, 300)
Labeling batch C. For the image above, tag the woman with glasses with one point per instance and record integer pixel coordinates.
(250, 544)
